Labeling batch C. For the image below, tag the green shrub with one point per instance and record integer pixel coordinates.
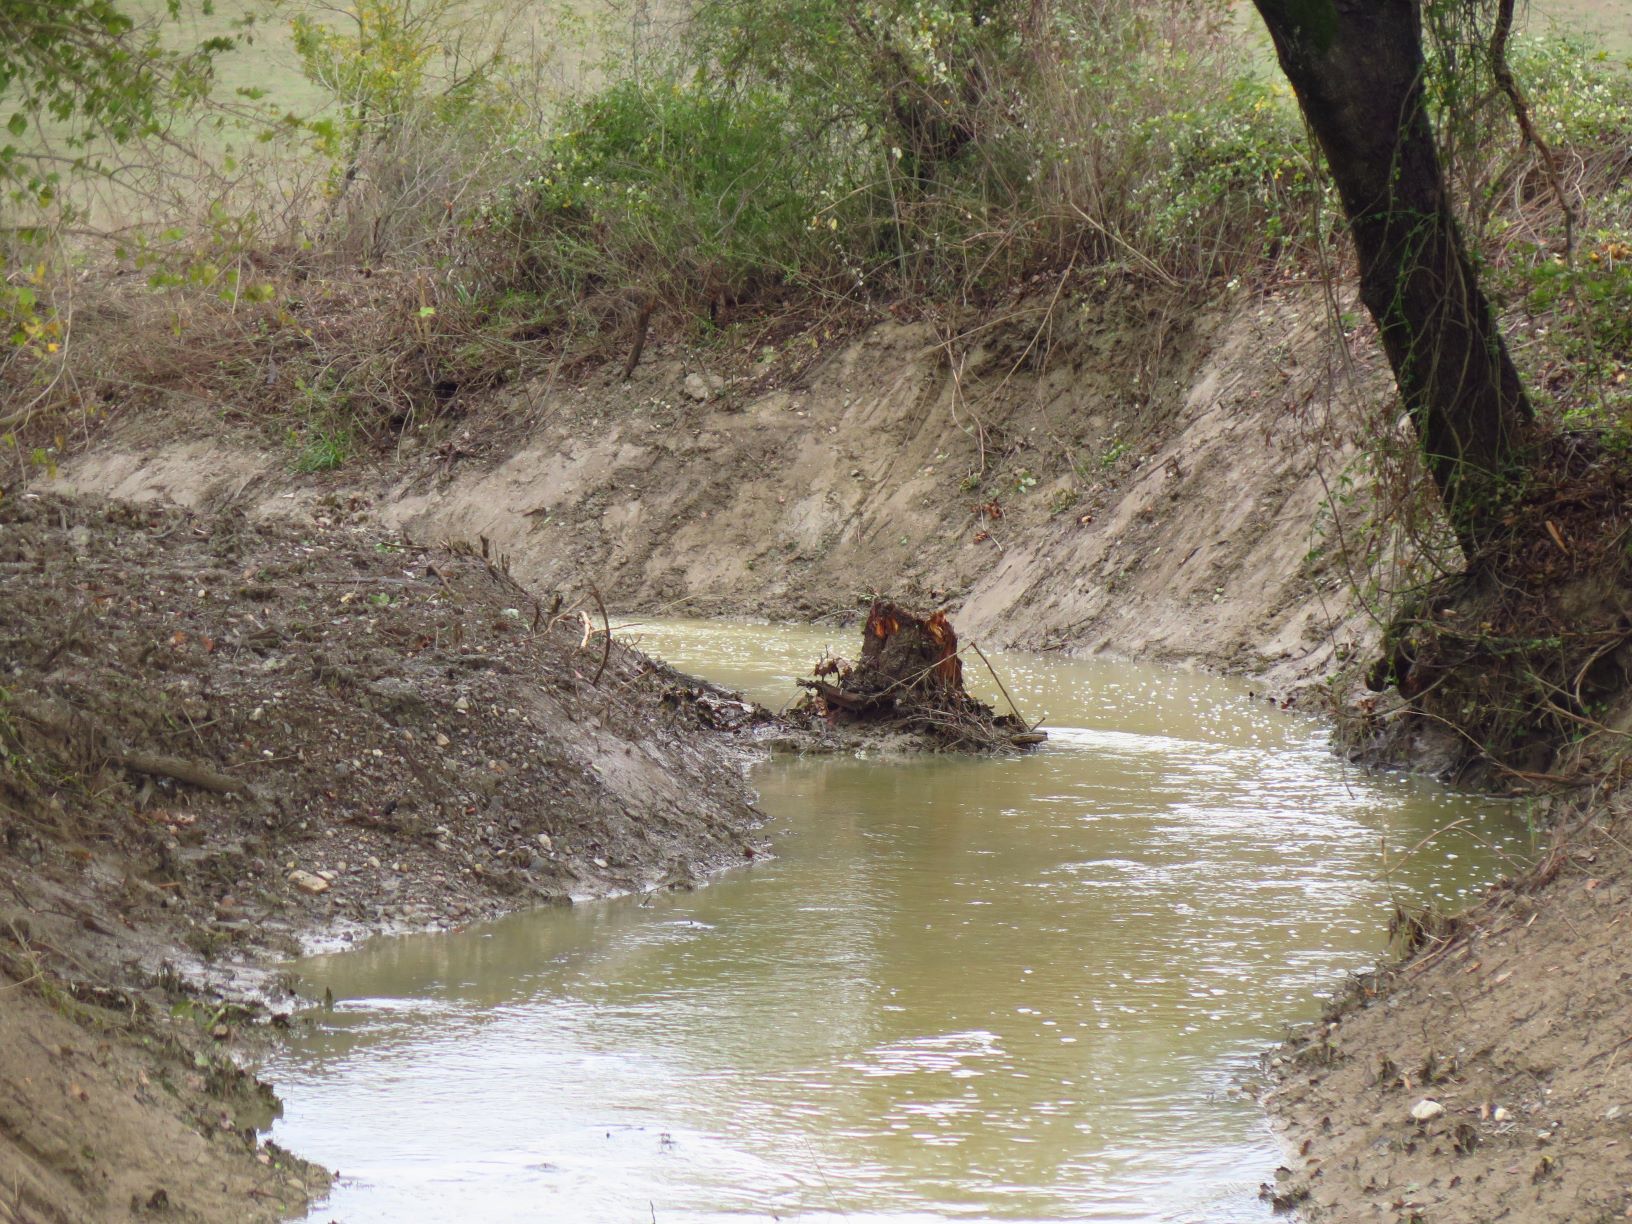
(1576, 94)
(942, 148)
(680, 190)
(1236, 168)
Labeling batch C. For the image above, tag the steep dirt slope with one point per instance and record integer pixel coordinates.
(1089, 473)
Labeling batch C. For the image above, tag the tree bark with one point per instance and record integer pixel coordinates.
(1357, 68)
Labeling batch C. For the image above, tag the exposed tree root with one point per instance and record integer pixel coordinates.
(909, 680)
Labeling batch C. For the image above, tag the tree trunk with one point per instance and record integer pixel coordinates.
(1357, 68)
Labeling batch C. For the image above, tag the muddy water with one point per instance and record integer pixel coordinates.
(983, 990)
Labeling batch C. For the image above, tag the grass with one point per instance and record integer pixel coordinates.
(320, 450)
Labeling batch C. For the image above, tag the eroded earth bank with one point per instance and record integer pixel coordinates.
(224, 741)
(246, 708)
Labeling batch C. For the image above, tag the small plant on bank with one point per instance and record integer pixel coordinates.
(324, 442)
(320, 449)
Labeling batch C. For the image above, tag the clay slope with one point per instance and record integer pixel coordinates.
(1102, 473)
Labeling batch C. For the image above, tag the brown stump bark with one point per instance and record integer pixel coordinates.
(910, 676)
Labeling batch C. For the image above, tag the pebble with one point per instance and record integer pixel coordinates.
(442, 741)
(308, 882)
(702, 387)
(1500, 1114)
(545, 843)
(1426, 1110)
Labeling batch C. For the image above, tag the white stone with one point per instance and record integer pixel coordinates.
(1426, 1110)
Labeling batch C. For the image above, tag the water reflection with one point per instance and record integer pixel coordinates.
(1013, 989)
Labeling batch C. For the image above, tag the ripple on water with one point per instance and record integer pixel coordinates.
(1015, 989)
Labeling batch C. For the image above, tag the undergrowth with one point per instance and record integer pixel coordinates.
(804, 158)
(907, 148)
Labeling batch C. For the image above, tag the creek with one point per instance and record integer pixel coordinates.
(1011, 989)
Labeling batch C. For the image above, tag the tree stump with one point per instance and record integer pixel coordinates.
(910, 678)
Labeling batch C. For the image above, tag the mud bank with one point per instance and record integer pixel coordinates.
(223, 741)
(1109, 471)
(1486, 1076)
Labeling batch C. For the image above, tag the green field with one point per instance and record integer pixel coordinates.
(563, 38)
(553, 48)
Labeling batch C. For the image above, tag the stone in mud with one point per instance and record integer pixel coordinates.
(702, 387)
(308, 882)
(1426, 1110)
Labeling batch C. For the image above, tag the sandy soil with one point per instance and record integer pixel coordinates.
(222, 740)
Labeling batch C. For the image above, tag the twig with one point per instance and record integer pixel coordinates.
(405, 582)
(185, 771)
(1030, 726)
(1503, 73)
(1390, 870)
(606, 628)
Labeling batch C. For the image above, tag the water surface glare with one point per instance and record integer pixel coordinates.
(1012, 989)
